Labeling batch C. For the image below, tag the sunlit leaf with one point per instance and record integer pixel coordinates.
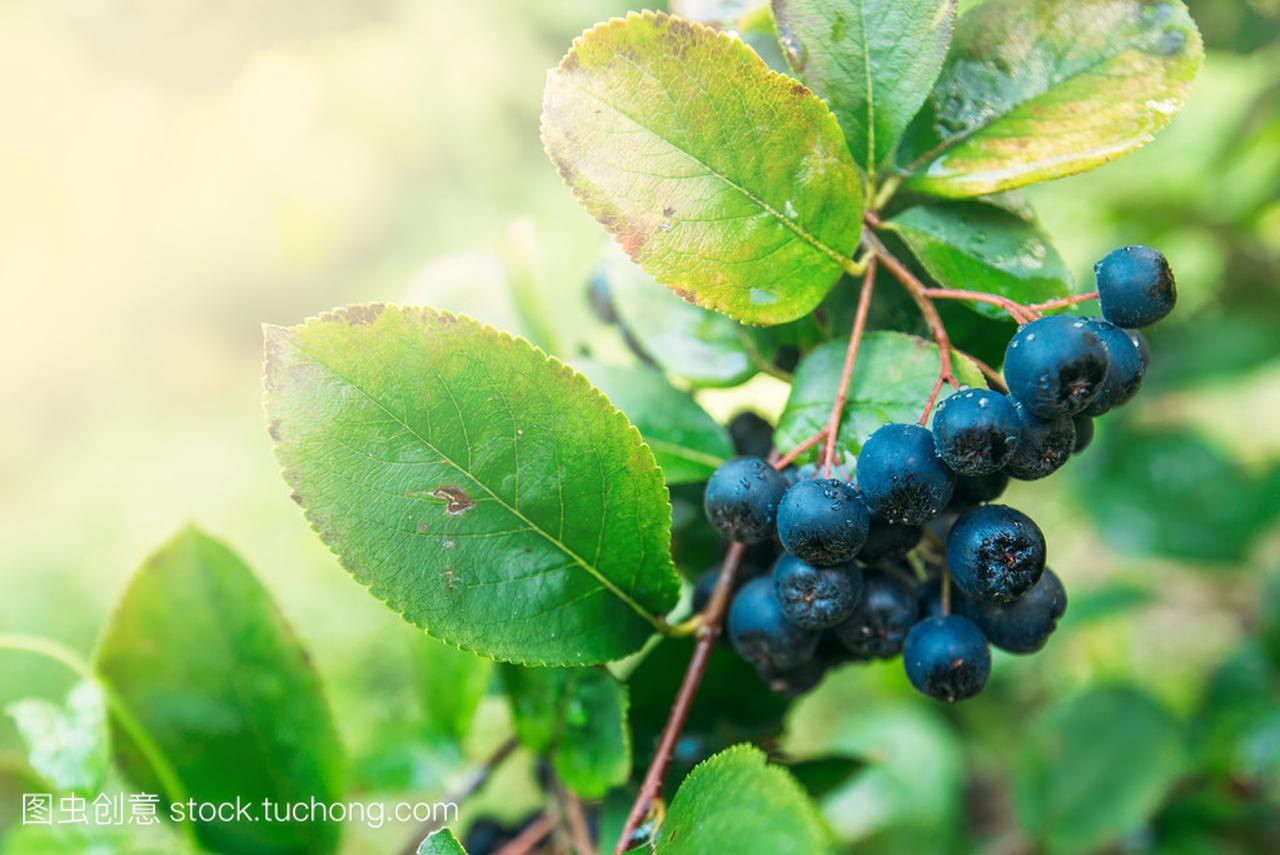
(726, 181)
(1038, 89)
(477, 486)
(66, 745)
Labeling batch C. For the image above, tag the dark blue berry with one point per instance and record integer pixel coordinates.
(974, 490)
(888, 542)
(793, 682)
(599, 297)
(929, 598)
(1144, 348)
(1135, 286)
(976, 431)
(995, 553)
(1024, 625)
(752, 435)
(1124, 375)
(761, 634)
(823, 521)
(742, 499)
(1055, 366)
(901, 475)
(882, 619)
(1084, 433)
(1045, 446)
(947, 658)
(815, 597)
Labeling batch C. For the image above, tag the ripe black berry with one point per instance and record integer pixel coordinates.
(752, 435)
(823, 522)
(901, 475)
(1135, 286)
(947, 658)
(1084, 432)
(888, 542)
(1045, 446)
(793, 682)
(880, 622)
(974, 490)
(1124, 375)
(1024, 625)
(976, 430)
(761, 634)
(995, 553)
(1144, 348)
(742, 499)
(1055, 366)
(815, 597)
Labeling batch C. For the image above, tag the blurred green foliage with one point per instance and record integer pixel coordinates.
(180, 172)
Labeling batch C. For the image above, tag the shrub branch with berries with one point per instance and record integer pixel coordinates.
(847, 221)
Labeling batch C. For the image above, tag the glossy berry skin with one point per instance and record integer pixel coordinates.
(1024, 625)
(1045, 446)
(901, 475)
(761, 634)
(1144, 348)
(995, 553)
(974, 490)
(1135, 286)
(976, 431)
(947, 658)
(1125, 371)
(815, 597)
(1055, 366)
(1084, 433)
(888, 542)
(742, 499)
(822, 521)
(752, 435)
(880, 623)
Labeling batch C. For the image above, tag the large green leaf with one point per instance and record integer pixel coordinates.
(736, 802)
(1095, 767)
(701, 346)
(892, 380)
(1038, 89)
(477, 486)
(726, 181)
(578, 717)
(687, 442)
(981, 247)
(200, 655)
(66, 745)
(451, 683)
(873, 61)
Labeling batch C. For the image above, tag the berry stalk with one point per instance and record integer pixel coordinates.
(850, 359)
(651, 788)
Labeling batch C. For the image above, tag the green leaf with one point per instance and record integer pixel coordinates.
(980, 247)
(203, 659)
(1039, 89)
(726, 181)
(441, 842)
(687, 442)
(578, 717)
(736, 802)
(451, 683)
(66, 745)
(892, 380)
(1095, 767)
(477, 486)
(873, 61)
(703, 347)
(1238, 716)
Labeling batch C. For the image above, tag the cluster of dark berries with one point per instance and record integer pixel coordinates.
(841, 589)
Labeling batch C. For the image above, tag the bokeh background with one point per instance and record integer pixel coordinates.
(175, 173)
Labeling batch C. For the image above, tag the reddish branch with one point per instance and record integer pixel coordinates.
(532, 835)
(1064, 302)
(470, 787)
(790, 457)
(713, 617)
(832, 429)
(1020, 313)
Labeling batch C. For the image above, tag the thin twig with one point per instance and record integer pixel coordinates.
(850, 359)
(992, 375)
(946, 590)
(714, 612)
(1064, 302)
(533, 834)
(1020, 313)
(575, 818)
(790, 457)
(469, 788)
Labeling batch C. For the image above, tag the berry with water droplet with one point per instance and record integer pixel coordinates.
(879, 624)
(976, 431)
(1055, 366)
(947, 658)
(901, 475)
(816, 597)
(822, 521)
(1124, 375)
(1136, 287)
(1044, 448)
(742, 499)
